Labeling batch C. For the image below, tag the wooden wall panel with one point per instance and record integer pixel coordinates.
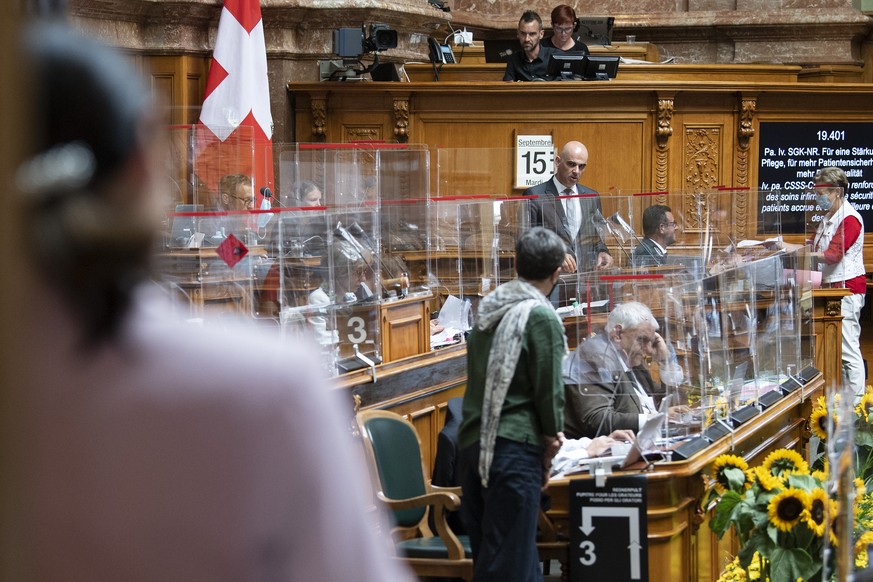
(178, 81)
(691, 131)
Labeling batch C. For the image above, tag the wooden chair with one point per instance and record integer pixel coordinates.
(393, 452)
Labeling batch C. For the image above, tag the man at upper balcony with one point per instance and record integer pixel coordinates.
(532, 63)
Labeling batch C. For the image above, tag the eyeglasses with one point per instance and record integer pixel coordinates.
(248, 202)
(563, 29)
(670, 224)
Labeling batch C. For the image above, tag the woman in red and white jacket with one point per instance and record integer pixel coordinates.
(840, 240)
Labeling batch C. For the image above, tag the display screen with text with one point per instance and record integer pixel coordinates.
(788, 157)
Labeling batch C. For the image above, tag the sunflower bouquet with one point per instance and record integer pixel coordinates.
(779, 511)
(824, 423)
(783, 517)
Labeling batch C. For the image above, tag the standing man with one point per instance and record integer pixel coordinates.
(512, 413)
(659, 228)
(532, 63)
(572, 217)
(840, 240)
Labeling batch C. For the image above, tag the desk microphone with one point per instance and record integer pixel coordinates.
(504, 54)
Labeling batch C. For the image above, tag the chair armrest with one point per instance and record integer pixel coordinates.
(436, 488)
(439, 501)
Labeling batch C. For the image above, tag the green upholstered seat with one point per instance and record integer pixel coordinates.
(399, 481)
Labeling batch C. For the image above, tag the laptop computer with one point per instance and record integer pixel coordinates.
(643, 443)
(499, 50)
(183, 228)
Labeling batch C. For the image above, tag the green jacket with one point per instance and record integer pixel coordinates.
(534, 405)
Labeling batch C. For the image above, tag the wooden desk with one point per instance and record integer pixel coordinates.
(681, 545)
(203, 279)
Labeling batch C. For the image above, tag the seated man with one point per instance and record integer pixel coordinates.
(659, 228)
(532, 63)
(607, 385)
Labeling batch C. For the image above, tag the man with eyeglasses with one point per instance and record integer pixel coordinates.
(659, 228)
(563, 27)
(236, 193)
(532, 63)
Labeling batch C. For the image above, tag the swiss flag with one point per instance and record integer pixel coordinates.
(236, 126)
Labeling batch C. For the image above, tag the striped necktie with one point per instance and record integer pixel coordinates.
(571, 207)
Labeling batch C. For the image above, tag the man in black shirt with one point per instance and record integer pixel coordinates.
(532, 63)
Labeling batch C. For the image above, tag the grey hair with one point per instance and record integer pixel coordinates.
(629, 315)
(832, 176)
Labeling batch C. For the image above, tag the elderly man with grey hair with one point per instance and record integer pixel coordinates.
(607, 384)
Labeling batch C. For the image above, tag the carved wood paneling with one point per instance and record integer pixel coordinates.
(401, 119)
(702, 158)
(745, 132)
(319, 116)
(663, 131)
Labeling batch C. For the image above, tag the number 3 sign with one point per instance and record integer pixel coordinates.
(534, 160)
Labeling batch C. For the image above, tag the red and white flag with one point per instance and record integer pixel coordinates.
(236, 106)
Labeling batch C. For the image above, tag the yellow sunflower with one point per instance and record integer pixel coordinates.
(860, 487)
(814, 515)
(861, 560)
(766, 480)
(864, 408)
(818, 423)
(786, 508)
(724, 462)
(834, 511)
(783, 462)
(821, 476)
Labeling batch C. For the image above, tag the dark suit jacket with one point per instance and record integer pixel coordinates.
(648, 254)
(599, 396)
(547, 211)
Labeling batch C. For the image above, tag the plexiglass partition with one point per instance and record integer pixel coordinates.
(707, 324)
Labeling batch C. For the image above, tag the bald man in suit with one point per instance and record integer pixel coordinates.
(573, 215)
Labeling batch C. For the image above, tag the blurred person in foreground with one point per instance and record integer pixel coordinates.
(159, 451)
(840, 240)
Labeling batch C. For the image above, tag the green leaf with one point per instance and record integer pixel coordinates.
(805, 482)
(864, 439)
(789, 565)
(723, 512)
(758, 542)
(735, 478)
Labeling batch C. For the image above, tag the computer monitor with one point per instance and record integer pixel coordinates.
(576, 65)
(566, 66)
(599, 68)
(594, 29)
